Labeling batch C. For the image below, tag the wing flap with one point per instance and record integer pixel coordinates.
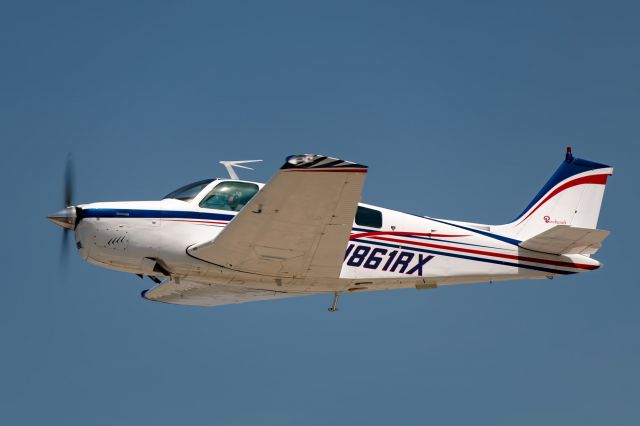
(297, 226)
(565, 239)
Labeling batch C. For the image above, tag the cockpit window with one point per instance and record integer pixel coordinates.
(230, 195)
(368, 217)
(189, 192)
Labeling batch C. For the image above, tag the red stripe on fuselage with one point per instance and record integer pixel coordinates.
(405, 234)
(487, 253)
(212, 222)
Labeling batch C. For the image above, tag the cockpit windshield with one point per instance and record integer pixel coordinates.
(230, 195)
(189, 192)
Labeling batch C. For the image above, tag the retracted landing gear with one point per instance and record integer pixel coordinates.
(334, 304)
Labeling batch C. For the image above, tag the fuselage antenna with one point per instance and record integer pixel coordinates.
(229, 165)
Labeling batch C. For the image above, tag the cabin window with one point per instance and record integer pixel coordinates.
(368, 217)
(189, 192)
(230, 195)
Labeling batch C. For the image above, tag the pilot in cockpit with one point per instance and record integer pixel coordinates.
(232, 201)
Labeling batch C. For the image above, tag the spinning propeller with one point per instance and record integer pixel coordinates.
(68, 217)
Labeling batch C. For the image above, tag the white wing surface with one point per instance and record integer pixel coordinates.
(297, 226)
(194, 293)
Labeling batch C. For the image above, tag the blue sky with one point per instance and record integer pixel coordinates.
(461, 110)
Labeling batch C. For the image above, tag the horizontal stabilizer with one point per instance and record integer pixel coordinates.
(564, 239)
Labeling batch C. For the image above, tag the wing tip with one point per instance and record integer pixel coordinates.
(321, 163)
(143, 294)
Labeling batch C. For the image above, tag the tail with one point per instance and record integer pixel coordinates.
(572, 197)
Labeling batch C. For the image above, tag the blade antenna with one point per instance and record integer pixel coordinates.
(229, 165)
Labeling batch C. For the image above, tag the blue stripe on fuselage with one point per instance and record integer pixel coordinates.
(464, 256)
(420, 237)
(477, 231)
(135, 213)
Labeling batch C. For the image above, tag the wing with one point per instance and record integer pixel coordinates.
(297, 226)
(564, 239)
(185, 292)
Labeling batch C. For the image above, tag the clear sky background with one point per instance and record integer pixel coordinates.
(462, 110)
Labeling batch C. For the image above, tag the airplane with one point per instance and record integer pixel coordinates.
(305, 232)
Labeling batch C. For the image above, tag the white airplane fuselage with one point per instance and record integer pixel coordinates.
(153, 237)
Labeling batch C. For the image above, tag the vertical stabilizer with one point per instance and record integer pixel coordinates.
(573, 196)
